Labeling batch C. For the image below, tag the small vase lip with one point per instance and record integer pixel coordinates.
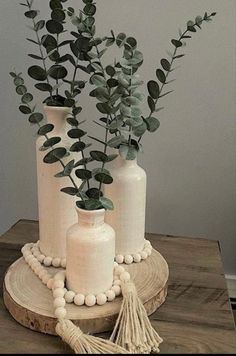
(57, 108)
(90, 212)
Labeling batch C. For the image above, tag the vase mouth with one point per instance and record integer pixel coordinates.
(57, 108)
(90, 212)
(91, 218)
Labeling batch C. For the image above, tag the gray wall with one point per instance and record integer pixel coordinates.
(190, 161)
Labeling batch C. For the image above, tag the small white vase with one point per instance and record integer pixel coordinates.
(128, 193)
(56, 209)
(90, 254)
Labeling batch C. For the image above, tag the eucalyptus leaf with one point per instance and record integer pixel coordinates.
(39, 25)
(177, 43)
(58, 15)
(55, 4)
(35, 56)
(115, 141)
(45, 129)
(76, 133)
(27, 98)
(52, 141)
(152, 124)
(120, 39)
(161, 76)
(35, 118)
(57, 72)
(98, 80)
(25, 109)
(153, 89)
(83, 174)
(37, 73)
(151, 104)
(43, 87)
(70, 190)
(110, 71)
(104, 108)
(106, 203)
(21, 89)
(31, 14)
(92, 204)
(94, 193)
(54, 27)
(128, 153)
(98, 156)
(140, 130)
(55, 155)
(165, 64)
(103, 178)
(69, 167)
(90, 9)
(78, 147)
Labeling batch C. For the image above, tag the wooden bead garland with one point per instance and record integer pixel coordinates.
(137, 257)
(57, 283)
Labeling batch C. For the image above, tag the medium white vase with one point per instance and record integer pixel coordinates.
(128, 193)
(90, 254)
(56, 209)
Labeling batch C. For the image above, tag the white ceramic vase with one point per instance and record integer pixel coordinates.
(90, 254)
(128, 193)
(56, 209)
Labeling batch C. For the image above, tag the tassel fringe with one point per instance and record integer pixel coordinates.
(133, 330)
(85, 344)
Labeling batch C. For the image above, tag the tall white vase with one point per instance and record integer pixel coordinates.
(128, 193)
(90, 254)
(56, 209)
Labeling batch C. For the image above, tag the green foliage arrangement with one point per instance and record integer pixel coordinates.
(116, 87)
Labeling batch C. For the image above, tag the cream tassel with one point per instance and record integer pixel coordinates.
(85, 344)
(133, 330)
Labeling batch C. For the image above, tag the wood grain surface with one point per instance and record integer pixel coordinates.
(196, 317)
(31, 303)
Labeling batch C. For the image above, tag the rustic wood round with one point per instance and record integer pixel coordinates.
(31, 303)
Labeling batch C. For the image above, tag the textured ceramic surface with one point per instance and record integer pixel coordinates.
(56, 209)
(128, 193)
(90, 254)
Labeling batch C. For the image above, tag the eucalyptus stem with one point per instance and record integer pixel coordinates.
(40, 47)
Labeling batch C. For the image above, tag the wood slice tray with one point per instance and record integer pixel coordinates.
(31, 303)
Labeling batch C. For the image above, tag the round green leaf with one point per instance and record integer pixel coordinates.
(152, 124)
(103, 178)
(39, 25)
(128, 153)
(76, 133)
(18, 81)
(44, 130)
(177, 43)
(55, 4)
(57, 72)
(35, 118)
(55, 155)
(54, 27)
(140, 130)
(120, 39)
(70, 191)
(98, 80)
(37, 73)
(27, 98)
(130, 43)
(104, 108)
(87, 1)
(52, 141)
(94, 193)
(31, 14)
(115, 141)
(110, 71)
(151, 104)
(43, 87)
(106, 203)
(165, 64)
(58, 15)
(48, 41)
(89, 21)
(153, 89)
(90, 9)
(21, 89)
(161, 76)
(25, 109)
(98, 156)
(92, 204)
(78, 147)
(72, 121)
(83, 174)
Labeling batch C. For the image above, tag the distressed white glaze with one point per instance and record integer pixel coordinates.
(128, 193)
(90, 254)
(56, 209)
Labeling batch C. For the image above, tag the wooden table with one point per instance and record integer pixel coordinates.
(196, 317)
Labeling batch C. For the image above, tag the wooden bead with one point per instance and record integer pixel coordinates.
(90, 300)
(46, 278)
(27, 253)
(117, 282)
(125, 277)
(42, 273)
(60, 313)
(143, 255)
(101, 299)
(137, 258)
(41, 258)
(79, 299)
(63, 263)
(148, 251)
(56, 262)
(59, 302)
(69, 296)
(50, 283)
(60, 276)
(110, 294)
(47, 261)
(59, 292)
(119, 270)
(116, 290)
(129, 259)
(119, 259)
(58, 284)
(115, 264)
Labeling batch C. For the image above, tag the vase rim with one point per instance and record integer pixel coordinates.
(57, 108)
(90, 212)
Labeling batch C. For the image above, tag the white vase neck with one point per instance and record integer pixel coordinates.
(57, 116)
(121, 162)
(91, 218)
